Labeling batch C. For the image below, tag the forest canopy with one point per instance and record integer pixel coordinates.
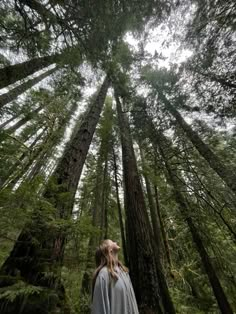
(117, 121)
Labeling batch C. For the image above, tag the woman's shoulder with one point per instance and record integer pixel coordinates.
(103, 272)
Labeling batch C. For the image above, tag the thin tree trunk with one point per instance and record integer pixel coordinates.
(153, 211)
(163, 232)
(15, 176)
(122, 229)
(104, 226)
(19, 71)
(142, 256)
(97, 221)
(8, 121)
(94, 238)
(40, 247)
(226, 174)
(206, 261)
(24, 120)
(20, 89)
(3, 181)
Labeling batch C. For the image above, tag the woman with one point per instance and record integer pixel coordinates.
(112, 289)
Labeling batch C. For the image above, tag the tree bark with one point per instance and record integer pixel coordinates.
(163, 232)
(153, 211)
(142, 258)
(99, 205)
(226, 174)
(95, 238)
(104, 220)
(39, 248)
(122, 228)
(18, 90)
(19, 71)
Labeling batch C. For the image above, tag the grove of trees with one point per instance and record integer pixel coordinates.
(117, 120)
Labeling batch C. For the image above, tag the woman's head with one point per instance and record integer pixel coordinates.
(107, 255)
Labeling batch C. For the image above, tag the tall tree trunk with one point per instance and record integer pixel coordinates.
(104, 225)
(226, 174)
(153, 211)
(122, 229)
(157, 233)
(39, 248)
(24, 120)
(94, 238)
(19, 71)
(99, 203)
(15, 175)
(8, 121)
(206, 261)
(20, 89)
(163, 231)
(142, 256)
(98, 217)
(20, 160)
(38, 155)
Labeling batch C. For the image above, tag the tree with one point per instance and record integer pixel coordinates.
(18, 90)
(224, 171)
(142, 258)
(60, 194)
(185, 210)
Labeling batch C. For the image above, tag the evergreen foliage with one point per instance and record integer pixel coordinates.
(102, 138)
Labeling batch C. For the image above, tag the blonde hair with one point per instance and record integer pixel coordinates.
(103, 257)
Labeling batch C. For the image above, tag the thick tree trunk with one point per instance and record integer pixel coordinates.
(142, 259)
(20, 89)
(38, 252)
(205, 258)
(19, 71)
(226, 174)
(122, 228)
(70, 167)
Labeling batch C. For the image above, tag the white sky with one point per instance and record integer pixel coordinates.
(159, 41)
